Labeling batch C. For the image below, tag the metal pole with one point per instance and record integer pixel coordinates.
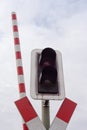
(46, 114)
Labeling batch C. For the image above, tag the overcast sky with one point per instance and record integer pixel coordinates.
(60, 24)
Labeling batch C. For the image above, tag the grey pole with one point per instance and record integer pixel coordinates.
(46, 114)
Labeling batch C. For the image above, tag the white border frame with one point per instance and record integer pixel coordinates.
(34, 78)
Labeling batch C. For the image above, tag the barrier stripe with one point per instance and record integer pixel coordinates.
(16, 35)
(20, 70)
(21, 87)
(15, 28)
(14, 15)
(22, 94)
(18, 62)
(21, 79)
(16, 40)
(18, 55)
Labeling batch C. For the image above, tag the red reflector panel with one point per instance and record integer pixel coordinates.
(25, 108)
(66, 110)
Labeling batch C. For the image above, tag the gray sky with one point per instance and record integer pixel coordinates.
(61, 24)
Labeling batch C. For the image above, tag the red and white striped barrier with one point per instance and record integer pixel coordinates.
(21, 84)
(64, 115)
(29, 115)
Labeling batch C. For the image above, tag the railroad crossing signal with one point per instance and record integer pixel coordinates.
(47, 80)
